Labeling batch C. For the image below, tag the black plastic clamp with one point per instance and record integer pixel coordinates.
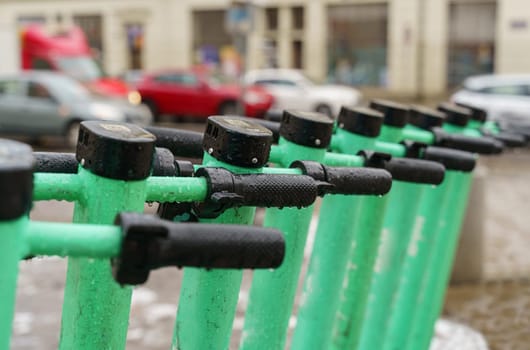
(227, 190)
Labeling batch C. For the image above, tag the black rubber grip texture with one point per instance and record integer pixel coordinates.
(182, 143)
(347, 180)
(54, 162)
(149, 243)
(510, 139)
(406, 169)
(227, 190)
(416, 170)
(480, 145)
(451, 159)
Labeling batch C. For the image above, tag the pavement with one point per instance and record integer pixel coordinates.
(493, 307)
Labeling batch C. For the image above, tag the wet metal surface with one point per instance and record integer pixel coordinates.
(497, 308)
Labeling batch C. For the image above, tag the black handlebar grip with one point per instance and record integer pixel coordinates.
(510, 139)
(406, 169)
(269, 124)
(480, 145)
(182, 143)
(347, 180)
(227, 190)
(149, 243)
(164, 163)
(450, 158)
(53, 162)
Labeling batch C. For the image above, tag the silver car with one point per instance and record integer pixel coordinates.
(50, 104)
(506, 98)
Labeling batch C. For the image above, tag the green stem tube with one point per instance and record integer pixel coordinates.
(434, 203)
(394, 149)
(96, 308)
(331, 250)
(50, 186)
(325, 274)
(78, 240)
(208, 298)
(356, 285)
(397, 229)
(437, 276)
(338, 159)
(12, 243)
(177, 189)
(419, 135)
(272, 293)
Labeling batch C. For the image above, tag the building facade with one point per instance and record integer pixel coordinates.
(413, 48)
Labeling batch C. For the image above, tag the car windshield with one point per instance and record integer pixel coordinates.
(68, 89)
(305, 80)
(82, 68)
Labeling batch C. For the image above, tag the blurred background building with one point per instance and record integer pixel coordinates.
(408, 48)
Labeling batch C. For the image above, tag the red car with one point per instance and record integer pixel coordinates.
(193, 93)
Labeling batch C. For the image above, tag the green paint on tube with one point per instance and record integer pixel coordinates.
(96, 308)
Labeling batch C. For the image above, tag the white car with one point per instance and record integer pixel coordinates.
(506, 98)
(293, 90)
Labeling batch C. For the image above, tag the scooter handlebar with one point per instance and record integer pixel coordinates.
(149, 243)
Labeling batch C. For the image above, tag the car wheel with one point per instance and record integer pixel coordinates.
(324, 109)
(153, 108)
(228, 108)
(71, 135)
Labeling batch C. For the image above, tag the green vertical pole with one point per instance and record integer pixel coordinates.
(354, 295)
(368, 288)
(397, 229)
(333, 241)
(96, 308)
(303, 136)
(16, 186)
(208, 298)
(327, 266)
(11, 241)
(419, 251)
(435, 281)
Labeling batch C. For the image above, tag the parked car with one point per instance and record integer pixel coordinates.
(38, 103)
(195, 93)
(293, 90)
(506, 98)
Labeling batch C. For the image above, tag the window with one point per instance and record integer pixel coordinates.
(471, 40)
(210, 37)
(514, 90)
(9, 88)
(271, 18)
(298, 17)
(40, 64)
(37, 90)
(297, 54)
(178, 79)
(281, 82)
(357, 44)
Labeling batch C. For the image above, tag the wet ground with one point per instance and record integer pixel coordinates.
(497, 307)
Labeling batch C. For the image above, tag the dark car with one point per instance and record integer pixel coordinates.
(37, 103)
